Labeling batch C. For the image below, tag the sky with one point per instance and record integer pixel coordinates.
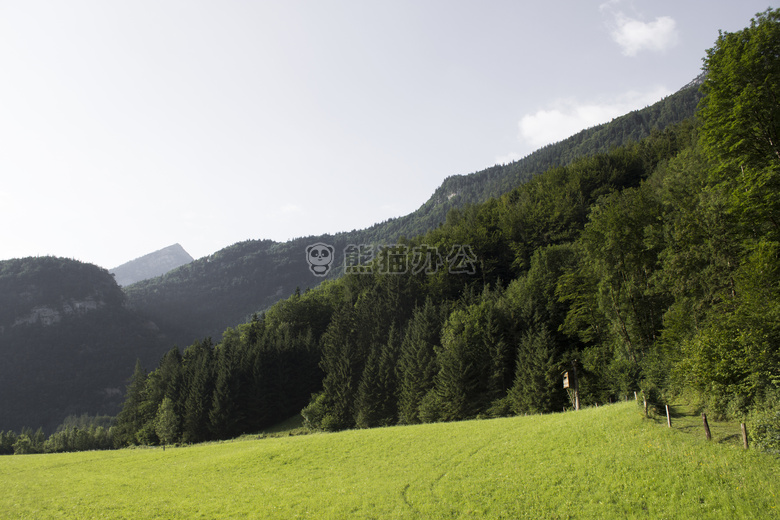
(128, 126)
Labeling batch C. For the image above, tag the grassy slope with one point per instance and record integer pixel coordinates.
(596, 463)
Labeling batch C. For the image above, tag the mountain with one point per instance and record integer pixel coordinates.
(67, 341)
(208, 295)
(70, 336)
(151, 265)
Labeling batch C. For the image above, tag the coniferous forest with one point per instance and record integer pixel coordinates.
(654, 267)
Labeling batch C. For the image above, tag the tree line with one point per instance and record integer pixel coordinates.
(80, 433)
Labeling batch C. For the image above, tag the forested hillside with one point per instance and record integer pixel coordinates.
(652, 267)
(206, 296)
(66, 342)
(69, 335)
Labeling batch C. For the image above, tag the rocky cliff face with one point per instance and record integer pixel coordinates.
(49, 315)
(151, 265)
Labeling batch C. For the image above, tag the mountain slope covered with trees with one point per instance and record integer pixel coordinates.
(653, 267)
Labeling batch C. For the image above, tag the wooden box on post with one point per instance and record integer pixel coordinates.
(566, 380)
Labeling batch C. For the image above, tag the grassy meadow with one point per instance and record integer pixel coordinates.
(606, 462)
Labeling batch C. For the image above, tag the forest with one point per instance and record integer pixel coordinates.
(652, 267)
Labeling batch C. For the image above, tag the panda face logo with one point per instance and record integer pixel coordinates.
(319, 256)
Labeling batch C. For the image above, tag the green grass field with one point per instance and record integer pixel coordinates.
(606, 462)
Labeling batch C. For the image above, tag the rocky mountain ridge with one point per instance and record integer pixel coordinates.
(151, 265)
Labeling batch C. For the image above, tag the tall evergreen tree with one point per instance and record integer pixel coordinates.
(417, 364)
(537, 385)
(131, 419)
(198, 390)
(375, 403)
(224, 416)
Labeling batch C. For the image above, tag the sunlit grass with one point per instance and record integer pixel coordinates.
(596, 463)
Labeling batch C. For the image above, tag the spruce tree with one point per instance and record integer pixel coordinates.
(537, 387)
(417, 365)
(130, 419)
(198, 389)
(224, 416)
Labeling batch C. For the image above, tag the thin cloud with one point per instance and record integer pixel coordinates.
(568, 116)
(634, 36)
(292, 208)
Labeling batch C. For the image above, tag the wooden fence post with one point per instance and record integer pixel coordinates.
(744, 435)
(706, 427)
(668, 417)
(645, 400)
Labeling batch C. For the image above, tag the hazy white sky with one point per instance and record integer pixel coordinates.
(127, 126)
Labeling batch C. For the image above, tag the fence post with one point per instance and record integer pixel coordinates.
(706, 427)
(744, 435)
(668, 417)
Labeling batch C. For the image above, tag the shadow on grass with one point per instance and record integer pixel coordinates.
(689, 421)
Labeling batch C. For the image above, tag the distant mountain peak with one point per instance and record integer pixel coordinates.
(696, 82)
(151, 265)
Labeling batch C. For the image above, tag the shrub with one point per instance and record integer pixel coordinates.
(652, 394)
(764, 423)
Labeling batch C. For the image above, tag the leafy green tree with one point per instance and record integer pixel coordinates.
(24, 445)
(740, 106)
(533, 297)
(7, 441)
(621, 244)
(167, 423)
(741, 115)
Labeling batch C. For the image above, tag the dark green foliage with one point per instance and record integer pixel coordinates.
(75, 434)
(79, 439)
(764, 422)
(7, 441)
(474, 360)
(67, 342)
(740, 110)
(417, 364)
(198, 384)
(375, 403)
(131, 419)
(537, 387)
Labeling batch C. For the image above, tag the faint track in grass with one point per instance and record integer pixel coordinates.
(434, 497)
(405, 498)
